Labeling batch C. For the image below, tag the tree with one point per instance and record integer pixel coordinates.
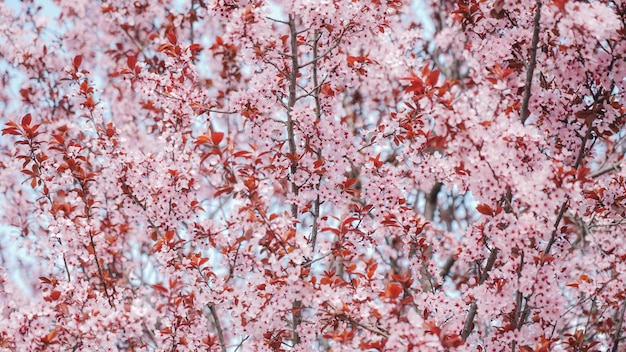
(313, 175)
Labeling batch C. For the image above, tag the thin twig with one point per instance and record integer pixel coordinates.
(285, 74)
(134, 40)
(556, 227)
(67, 269)
(312, 261)
(220, 111)
(613, 167)
(276, 20)
(100, 272)
(375, 330)
(330, 49)
(518, 293)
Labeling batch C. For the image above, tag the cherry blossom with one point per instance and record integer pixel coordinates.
(312, 175)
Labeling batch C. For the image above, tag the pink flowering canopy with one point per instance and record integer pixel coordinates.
(329, 175)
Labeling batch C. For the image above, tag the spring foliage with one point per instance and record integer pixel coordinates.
(313, 175)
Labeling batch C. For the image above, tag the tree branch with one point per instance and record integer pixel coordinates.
(579, 160)
(293, 84)
(375, 330)
(100, 272)
(426, 279)
(318, 113)
(469, 320)
(618, 329)
(218, 326)
(613, 167)
(531, 64)
(330, 49)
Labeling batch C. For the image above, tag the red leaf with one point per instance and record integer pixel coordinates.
(433, 77)
(349, 182)
(110, 130)
(48, 339)
(223, 190)
(169, 235)
(78, 59)
(452, 340)
(333, 230)
(292, 157)
(195, 47)
(202, 140)
(484, 209)
(371, 270)
(172, 37)
(415, 86)
(351, 60)
(216, 137)
(11, 130)
(241, 154)
(165, 47)
(432, 328)
(131, 61)
(59, 138)
(26, 120)
(560, 4)
(159, 287)
(377, 162)
(393, 290)
(327, 90)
